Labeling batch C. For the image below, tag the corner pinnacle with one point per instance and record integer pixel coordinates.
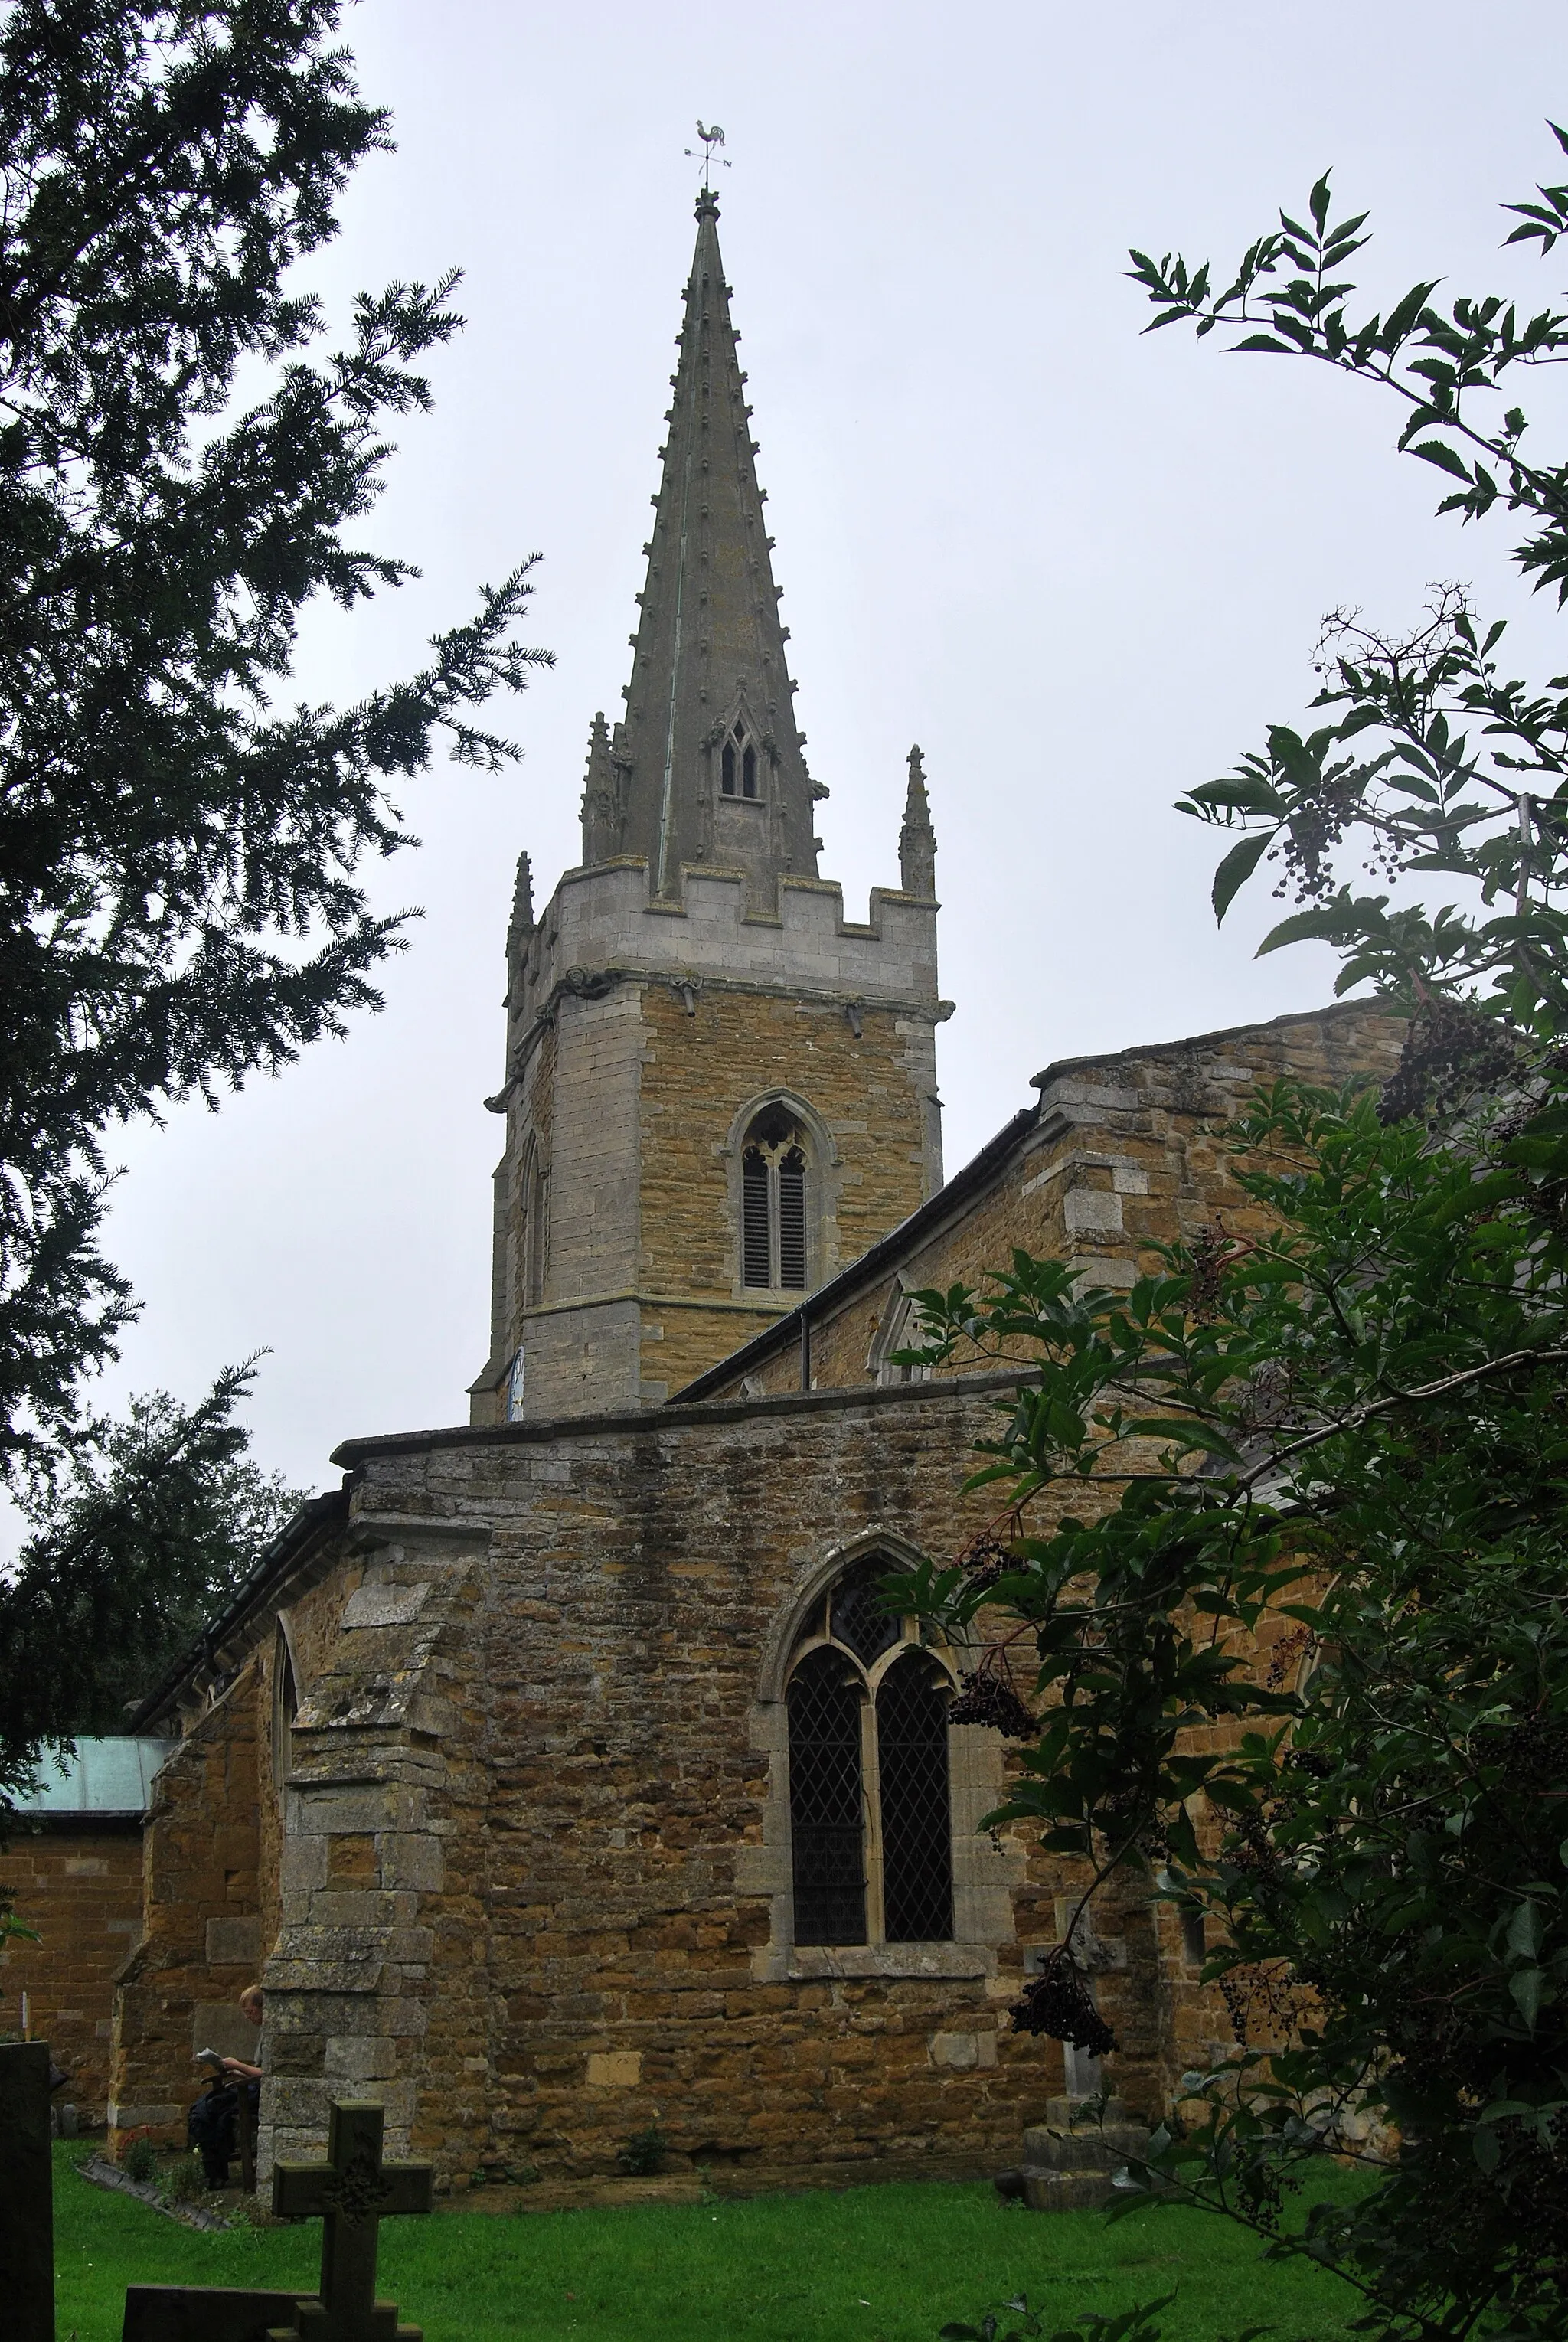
(917, 839)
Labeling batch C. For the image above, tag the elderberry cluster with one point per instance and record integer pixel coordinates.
(1451, 1049)
(1057, 2002)
(986, 1559)
(986, 1698)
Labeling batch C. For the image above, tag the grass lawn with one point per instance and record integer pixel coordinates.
(869, 2265)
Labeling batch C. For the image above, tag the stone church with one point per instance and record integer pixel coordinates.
(558, 1772)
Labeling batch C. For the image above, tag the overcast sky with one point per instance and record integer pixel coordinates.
(1081, 568)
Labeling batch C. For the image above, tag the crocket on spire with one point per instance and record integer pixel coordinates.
(707, 761)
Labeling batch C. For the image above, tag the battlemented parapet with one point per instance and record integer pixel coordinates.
(644, 1038)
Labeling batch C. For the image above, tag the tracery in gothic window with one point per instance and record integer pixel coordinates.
(738, 768)
(774, 1180)
(871, 1827)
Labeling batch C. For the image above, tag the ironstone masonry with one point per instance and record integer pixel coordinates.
(496, 1753)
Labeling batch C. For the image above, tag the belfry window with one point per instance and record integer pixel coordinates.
(738, 762)
(535, 1186)
(871, 1827)
(774, 1180)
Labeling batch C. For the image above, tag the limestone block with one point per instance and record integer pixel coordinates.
(285, 1973)
(364, 2057)
(1091, 1211)
(412, 1859)
(614, 2069)
(304, 1864)
(233, 1943)
(962, 2051)
(383, 1605)
(333, 1811)
(292, 2052)
(1085, 2148)
(1096, 1269)
(1128, 1180)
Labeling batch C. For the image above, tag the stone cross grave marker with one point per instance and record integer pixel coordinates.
(26, 2194)
(352, 2192)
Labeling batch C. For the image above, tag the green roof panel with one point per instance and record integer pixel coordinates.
(98, 1776)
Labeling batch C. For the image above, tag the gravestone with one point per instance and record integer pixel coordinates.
(204, 2313)
(351, 2193)
(26, 2194)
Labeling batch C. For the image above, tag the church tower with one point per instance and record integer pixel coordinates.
(718, 1090)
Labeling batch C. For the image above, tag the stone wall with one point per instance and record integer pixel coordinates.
(537, 1891)
(200, 1941)
(79, 1887)
(1126, 1152)
(701, 1069)
(637, 1034)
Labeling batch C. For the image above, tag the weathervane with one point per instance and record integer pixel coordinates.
(710, 138)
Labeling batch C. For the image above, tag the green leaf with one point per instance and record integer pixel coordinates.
(1524, 1987)
(1236, 868)
(1525, 1931)
(1323, 921)
(1433, 451)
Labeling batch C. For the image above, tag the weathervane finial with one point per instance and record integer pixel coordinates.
(710, 138)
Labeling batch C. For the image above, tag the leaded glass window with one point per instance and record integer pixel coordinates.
(827, 1839)
(870, 1812)
(916, 1818)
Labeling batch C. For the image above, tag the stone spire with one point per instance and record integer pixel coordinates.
(708, 763)
(601, 815)
(917, 839)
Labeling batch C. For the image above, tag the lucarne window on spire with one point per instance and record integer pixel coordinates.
(738, 762)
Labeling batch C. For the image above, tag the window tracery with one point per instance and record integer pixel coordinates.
(871, 1828)
(738, 768)
(774, 1245)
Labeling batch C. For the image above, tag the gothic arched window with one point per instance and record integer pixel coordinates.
(871, 1827)
(535, 1186)
(738, 762)
(774, 1175)
(285, 1705)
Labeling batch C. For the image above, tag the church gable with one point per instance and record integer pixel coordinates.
(1122, 1153)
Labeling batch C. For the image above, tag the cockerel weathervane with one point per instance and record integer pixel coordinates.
(710, 138)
